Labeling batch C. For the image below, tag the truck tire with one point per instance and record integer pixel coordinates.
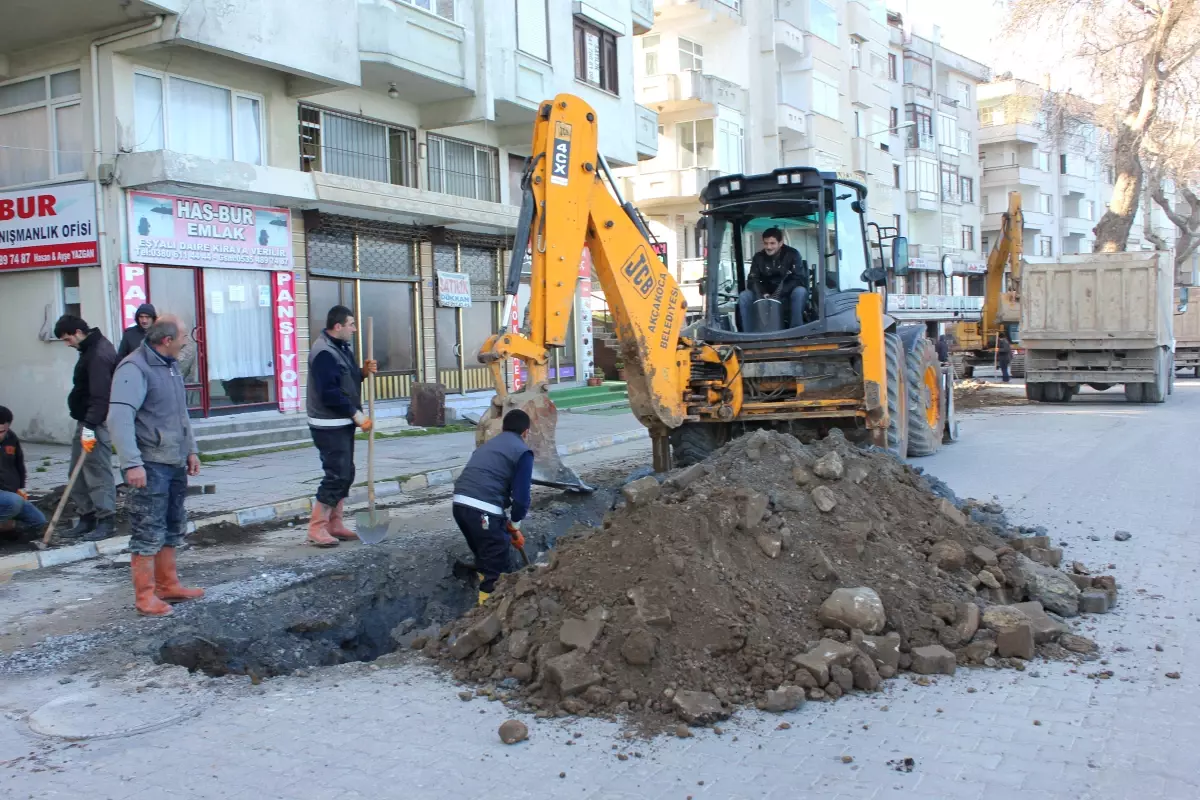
(1035, 392)
(922, 377)
(1171, 374)
(1055, 392)
(1017, 368)
(693, 442)
(1101, 387)
(897, 396)
(1157, 392)
(1133, 392)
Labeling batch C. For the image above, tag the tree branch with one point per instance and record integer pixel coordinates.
(1185, 57)
(1176, 219)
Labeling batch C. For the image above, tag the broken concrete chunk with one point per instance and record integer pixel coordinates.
(518, 644)
(824, 499)
(967, 621)
(1077, 644)
(686, 477)
(785, 698)
(523, 615)
(648, 611)
(1045, 629)
(1000, 617)
(638, 648)
(826, 654)
(951, 512)
(822, 567)
(476, 636)
(571, 673)
(698, 708)
(1093, 601)
(948, 555)
(866, 677)
(522, 672)
(850, 609)
(829, 467)
(883, 650)
(1107, 584)
(801, 476)
(842, 676)
(946, 612)
(833, 690)
(580, 634)
(983, 556)
(1016, 641)
(988, 579)
(1051, 557)
(978, 652)
(1051, 588)
(1082, 582)
(754, 508)
(770, 544)
(642, 491)
(857, 473)
(932, 659)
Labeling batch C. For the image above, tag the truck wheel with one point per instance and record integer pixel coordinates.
(1133, 392)
(693, 442)
(1157, 392)
(1035, 392)
(1171, 374)
(897, 396)
(922, 376)
(1196, 372)
(1017, 368)
(1101, 387)
(1053, 392)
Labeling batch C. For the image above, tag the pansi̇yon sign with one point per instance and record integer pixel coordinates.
(48, 227)
(194, 232)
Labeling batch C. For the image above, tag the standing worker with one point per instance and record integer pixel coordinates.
(157, 450)
(14, 500)
(132, 338)
(498, 475)
(1003, 356)
(334, 411)
(95, 494)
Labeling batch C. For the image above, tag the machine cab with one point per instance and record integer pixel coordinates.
(788, 255)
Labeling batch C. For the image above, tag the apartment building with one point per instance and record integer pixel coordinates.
(249, 165)
(937, 199)
(1061, 170)
(752, 85)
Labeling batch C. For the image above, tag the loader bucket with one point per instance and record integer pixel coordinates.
(548, 467)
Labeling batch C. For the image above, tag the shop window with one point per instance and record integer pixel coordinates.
(463, 169)
(391, 304)
(595, 56)
(199, 119)
(41, 127)
(356, 147)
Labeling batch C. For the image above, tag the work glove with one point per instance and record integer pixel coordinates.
(370, 367)
(23, 494)
(515, 535)
(362, 420)
(88, 439)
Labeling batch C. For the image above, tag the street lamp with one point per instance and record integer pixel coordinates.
(891, 130)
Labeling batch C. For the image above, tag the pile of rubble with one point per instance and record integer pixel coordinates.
(771, 574)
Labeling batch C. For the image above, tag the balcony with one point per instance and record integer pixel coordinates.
(643, 16)
(860, 23)
(791, 120)
(690, 91)
(1013, 175)
(865, 91)
(918, 94)
(1034, 220)
(788, 40)
(698, 12)
(430, 59)
(1076, 226)
(947, 103)
(1012, 132)
(867, 158)
(921, 201)
(646, 135)
(42, 23)
(669, 186)
(1075, 184)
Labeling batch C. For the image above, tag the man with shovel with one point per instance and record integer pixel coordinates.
(499, 475)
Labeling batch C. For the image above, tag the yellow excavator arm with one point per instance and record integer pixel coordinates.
(1006, 253)
(570, 201)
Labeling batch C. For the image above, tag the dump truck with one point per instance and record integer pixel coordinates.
(1098, 320)
(843, 363)
(1187, 339)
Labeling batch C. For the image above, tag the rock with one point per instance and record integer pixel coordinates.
(522, 672)
(983, 556)
(754, 508)
(833, 691)
(804, 679)
(598, 696)
(948, 555)
(1082, 582)
(988, 579)
(524, 615)
(513, 731)
(857, 473)
(999, 618)
(884, 651)
(683, 731)
(1044, 629)
(698, 708)
(1107, 584)
(785, 698)
(571, 673)
(951, 512)
(947, 612)
(1076, 644)
(979, 652)
(826, 654)
(770, 544)
(476, 636)
(580, 634)
(829, 467)
(967, 621)
(1051, 588)
(1040, 542)
(886, 672)
(866, 677)
(686, 477)
(1093, 601)
(638, 647)
(518, 644)
(648, 611)
(1015, 641)
(816, 694)
(853, 609)
(801, 476)
(1051, 557)
(932, 659)
(1122, 536)
(842, 676)
(822, 567)
(824, 499)
(642, 491)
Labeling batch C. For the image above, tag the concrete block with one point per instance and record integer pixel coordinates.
(1015, 641)
(110, 547)
(439, 477)
(288, 508)
(67, 555)
(1094, 601)
(416, 483)
(10, 565)
(933, 660)
(252, 516)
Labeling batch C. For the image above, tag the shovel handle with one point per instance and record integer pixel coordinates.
(62, 501)
(371, 414)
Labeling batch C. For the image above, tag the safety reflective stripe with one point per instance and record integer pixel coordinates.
(330, 423)
(471, 502)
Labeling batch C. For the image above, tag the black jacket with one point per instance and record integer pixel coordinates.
(12, 463)
(778, 274)
(1004, 351)
(132, 338)
(88, 401)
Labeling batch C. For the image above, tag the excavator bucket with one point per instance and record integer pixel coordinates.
(548, 467)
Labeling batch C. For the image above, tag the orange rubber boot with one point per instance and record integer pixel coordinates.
(166, 579)
(318, 526)
(337, 527)
(146, 602)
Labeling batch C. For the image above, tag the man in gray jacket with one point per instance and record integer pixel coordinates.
(148, 417)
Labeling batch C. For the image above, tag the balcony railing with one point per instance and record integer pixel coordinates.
(342, 144)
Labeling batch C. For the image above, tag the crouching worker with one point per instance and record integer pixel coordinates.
(148, 418)
(14, 500)
(498, 476)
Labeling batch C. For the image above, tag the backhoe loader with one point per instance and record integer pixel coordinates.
(844, 364)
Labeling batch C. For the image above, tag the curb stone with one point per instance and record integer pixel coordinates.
(281, 511)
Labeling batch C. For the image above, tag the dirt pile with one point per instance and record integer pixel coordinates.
(773, 573)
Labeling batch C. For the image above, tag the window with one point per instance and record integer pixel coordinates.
(878, 67)
(356, 147)
(533, 28)
(918, 73)
(983, 204)
(983, 245)
(463, 169)
(922, 175)
(964, 142)
(963, 94)
(893, 67)
(855, 52)
(921, 134)
(968, 190)
(650, 54)
(950, 184)
(822, 20)
(968, 237)
(41, 127)
(896, 220)
(729, 147)
(691, 56)
(1045, 246)
(69, 278)
(1043, 161)
(1087, 209)
(893, 118)
(825, 96)
(1045, 204)
(896, 176)
(443, 8)
(947, 131)
(199, 119)
(1062, 164)
(595, 56)
(695, 142)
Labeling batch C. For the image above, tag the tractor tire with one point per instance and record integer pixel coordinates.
(693, 442)
(1035, 392)
(897, 396)
(922, 377)
(1134, 392)
(1017, 367)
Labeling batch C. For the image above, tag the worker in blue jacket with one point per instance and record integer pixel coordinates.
(492, 496)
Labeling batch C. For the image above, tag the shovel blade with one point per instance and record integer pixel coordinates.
(372, 528)
(548, 466)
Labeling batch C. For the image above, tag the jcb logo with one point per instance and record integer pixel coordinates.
(637, 269)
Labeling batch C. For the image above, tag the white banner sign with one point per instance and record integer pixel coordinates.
(454, 289)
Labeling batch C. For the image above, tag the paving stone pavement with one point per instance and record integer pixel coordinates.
(1083, 469)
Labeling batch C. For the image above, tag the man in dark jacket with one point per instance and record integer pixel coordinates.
(1003, 356)
(132, 338)
(498, 476)
(776, 272)
(334, 411)
(95, 493)
(14, 500)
